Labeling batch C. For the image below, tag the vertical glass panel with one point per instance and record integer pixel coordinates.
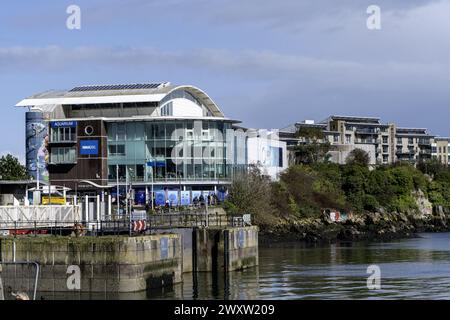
(171, 169)
(121, 131)
(198, 171)
(112, 131)
(139, 172)
(180, 171)
(131, 131)
(170, 129)
(140, 151)
(160, 131)
(190, 171)
(139, 133)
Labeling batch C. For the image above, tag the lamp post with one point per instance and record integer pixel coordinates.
(118, 191)
(151, 163)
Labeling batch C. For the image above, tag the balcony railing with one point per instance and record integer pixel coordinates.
(366, 131)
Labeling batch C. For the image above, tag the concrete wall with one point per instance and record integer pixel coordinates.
(186, 235)
(225, 249)
(107, 264)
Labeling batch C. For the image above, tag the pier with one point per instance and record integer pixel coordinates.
(107, 259)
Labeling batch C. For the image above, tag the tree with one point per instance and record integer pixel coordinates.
(358, 157)
(313, 149)
(431, 167)
(11, 169)
(250, 192)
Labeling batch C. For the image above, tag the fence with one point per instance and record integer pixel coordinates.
(125, 224)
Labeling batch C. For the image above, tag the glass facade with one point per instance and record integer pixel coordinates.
(170, 150)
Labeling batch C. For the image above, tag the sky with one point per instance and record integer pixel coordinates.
(268, 63)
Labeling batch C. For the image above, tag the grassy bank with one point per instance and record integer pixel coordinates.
(382, 202)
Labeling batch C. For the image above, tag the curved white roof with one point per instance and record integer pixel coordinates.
(117, 94)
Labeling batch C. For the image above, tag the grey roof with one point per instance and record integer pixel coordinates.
(351, 119)
(106, 90)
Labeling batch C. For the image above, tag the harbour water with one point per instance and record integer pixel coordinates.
(417, 268)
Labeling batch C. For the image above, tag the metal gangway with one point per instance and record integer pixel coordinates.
(36, 217)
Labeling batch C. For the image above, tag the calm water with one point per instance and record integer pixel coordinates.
(410, 269)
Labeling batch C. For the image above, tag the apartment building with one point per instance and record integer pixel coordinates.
(440, 149)
(366, 133)
(413, 145)
(384, 142)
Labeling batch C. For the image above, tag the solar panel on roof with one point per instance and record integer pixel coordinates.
(117, 87)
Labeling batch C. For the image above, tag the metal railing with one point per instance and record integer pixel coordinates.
(117, 225)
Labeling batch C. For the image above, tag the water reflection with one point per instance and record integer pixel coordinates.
(416, 268)
(410, 269)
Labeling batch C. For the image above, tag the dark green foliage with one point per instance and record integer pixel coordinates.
(314, 150)
(11, 169)
(306, 190)
(358, 157)
(431, 167)
(311, 153)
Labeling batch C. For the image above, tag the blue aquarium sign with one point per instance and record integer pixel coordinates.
(89, 147)
(63, 124)
(156, 164)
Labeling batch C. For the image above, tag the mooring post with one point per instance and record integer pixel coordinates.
(2, 294)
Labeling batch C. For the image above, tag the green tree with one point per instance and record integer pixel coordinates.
(250, 192)
(431, 167)
(313, 148)
(358, 157)
(11, 169)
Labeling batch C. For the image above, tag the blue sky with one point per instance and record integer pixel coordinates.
(267, 63)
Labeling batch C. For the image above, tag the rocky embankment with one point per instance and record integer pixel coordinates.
(367, 226)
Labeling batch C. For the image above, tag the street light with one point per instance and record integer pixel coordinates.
(152, 163)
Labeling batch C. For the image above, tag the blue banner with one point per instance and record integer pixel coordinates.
(196, 194)
(185, 198)
(156, 164)
(173, 198)
(160, 198)
(89, 147)
(139, 197)
(65, 124)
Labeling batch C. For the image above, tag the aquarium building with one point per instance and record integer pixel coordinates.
(155, 136)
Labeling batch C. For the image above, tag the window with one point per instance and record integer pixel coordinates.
(167, 109)
(63, 134)
(410, 140)
(385, 139)
(385, 149)
(62, 155)
(348, 138)
(336, 138)
(116, 150)
(399, 140)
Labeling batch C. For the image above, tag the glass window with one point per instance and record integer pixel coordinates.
(139, 131)
(348, 138)
(385, 139)
(63, 155)
(121, 131)
(112, 131)
(63, 134)
(131, 131)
